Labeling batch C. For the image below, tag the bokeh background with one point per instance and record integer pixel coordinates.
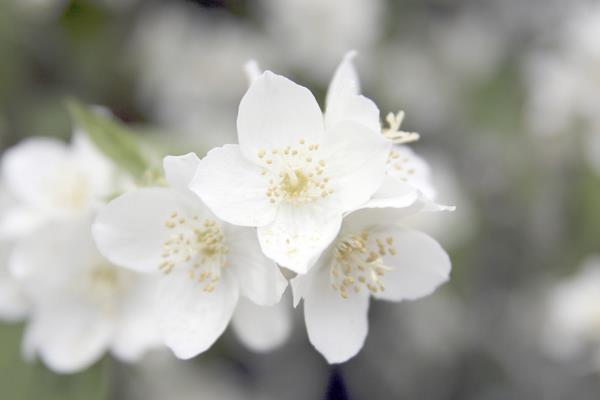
(506, 96)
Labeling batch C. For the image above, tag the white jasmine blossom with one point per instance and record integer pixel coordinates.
(308, 30)
(205, 264)
(82, 305)
(50, 180)
(296, 171)
(372, 256)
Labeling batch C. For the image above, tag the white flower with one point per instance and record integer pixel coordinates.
(295, 171)
(313, 34)
(573, 315)
(373, 255)
(50, 180)
(81, 304)
(205, 264)
(564, 85)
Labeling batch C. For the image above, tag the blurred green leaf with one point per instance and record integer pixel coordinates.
(114, 139)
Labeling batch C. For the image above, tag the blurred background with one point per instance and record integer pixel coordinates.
(506, 97)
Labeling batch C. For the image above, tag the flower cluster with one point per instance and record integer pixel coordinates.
(315, 197)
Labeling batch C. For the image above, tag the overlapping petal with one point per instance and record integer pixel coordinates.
(233, 188)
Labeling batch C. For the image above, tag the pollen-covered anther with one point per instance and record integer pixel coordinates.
(357, 264)
(393, 132)
(198, 245)
(401, 165)
(296, 174)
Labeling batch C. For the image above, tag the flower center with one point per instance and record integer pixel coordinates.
(105, 282)
(196, 245)
(296, 176)
(71, 191)
(401, 165)
(355, 265)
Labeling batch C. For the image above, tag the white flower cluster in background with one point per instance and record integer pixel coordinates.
(104, 262)
(572, 325)
(564, 83)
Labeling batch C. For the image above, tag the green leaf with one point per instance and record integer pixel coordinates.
(114, 139)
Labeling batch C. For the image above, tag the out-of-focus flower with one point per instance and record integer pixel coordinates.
(188, 64)
(309, 30)
(206, 263)
(81, 304)
(564, 84)
(573, 319)
(295, 172)
(50, 180)
(372, 256)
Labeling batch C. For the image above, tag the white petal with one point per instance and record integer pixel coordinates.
(27, 167)
(191, 320)
(69, 335)
(233, 188)
(136, 329)
(298, 236)
(259, 277)
(252, 70)
(406, 166)
(262, 328)
(356, 163)
(179, 170)
(130, 231)
(392, 193)
(344, 101)
(337, 327)
(418, 268)
(99, 171)
(48, 260)
(275, 113)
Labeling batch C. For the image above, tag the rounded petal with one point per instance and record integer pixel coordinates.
(136, 330)
(337, 327)
(68, 335)
(259, 277)
(130, 231)
(46, 262)
(233, 188)
(275, 113)
(191, 320)
(418, 268)
(344, 101)
(406, 166)
(298, 236)
(262, 328)
(179, 170)
(356, 163)
(27, 167)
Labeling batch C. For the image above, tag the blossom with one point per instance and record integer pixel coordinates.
(50, 180)
(204, 263)
(295, 171)
(372, 256)
(82, 305)
(308, 30)
(572, 323)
